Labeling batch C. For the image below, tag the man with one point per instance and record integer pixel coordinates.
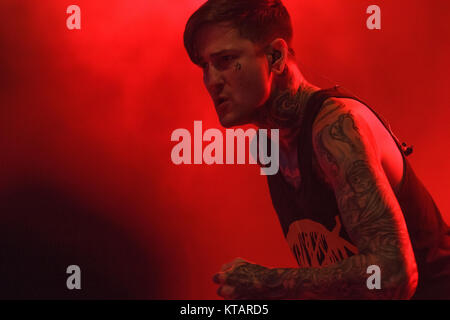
(346, 196)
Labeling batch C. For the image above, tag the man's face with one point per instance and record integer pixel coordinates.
(235, 72)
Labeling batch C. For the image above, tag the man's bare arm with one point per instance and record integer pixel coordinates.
(349, 157)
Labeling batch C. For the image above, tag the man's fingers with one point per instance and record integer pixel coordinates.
(228, 265)
(219, 278)
(225, 267)
(225, 291)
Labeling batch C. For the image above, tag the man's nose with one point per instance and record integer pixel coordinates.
(214, 80)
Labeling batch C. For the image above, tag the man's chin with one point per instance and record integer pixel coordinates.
(227, 121)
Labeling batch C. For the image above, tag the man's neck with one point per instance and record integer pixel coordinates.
(285, 109)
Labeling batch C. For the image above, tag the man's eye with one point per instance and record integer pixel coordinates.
(223, 62)
(228, 58)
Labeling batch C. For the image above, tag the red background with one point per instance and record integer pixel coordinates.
(86, 117)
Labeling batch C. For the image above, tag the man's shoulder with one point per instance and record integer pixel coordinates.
(336, 110)
(339, 113)
(333, 108)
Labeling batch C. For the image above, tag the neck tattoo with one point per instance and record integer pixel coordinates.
(286, 110)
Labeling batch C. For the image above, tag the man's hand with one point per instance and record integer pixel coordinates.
(241, 279)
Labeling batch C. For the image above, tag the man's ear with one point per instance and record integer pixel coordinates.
(277, 53)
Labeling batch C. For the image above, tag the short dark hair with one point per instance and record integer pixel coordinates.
(260, 21)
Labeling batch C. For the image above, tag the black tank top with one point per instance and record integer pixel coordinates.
(310, 219)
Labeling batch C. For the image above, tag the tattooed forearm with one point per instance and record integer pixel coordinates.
(343, 280)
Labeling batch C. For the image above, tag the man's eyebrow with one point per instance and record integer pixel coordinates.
(218, 53)
(221, 52)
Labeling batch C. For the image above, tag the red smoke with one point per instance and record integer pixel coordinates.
(86, 117)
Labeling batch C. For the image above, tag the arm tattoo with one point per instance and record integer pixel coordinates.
(252, 281)
(336, 131)
(333, 165)
(372, 217)
(334, 108)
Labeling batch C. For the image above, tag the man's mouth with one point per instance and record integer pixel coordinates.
(221, 105)
(219, 101)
